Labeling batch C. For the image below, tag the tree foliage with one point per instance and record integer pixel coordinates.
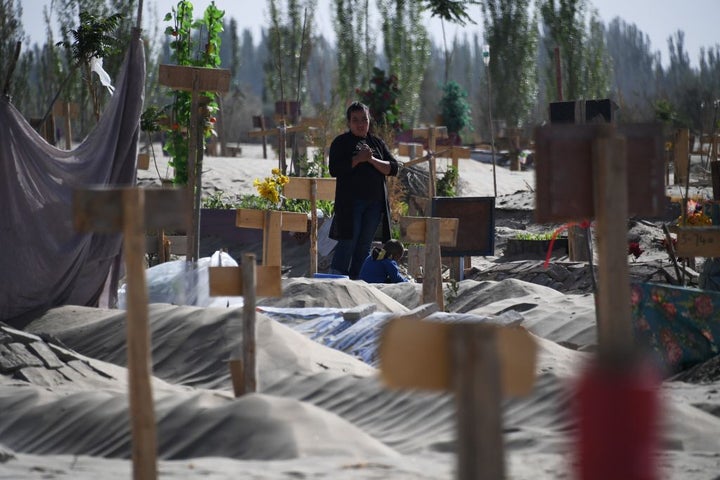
(586, 68)
(407, 50)
(354, 45)
(511, 34)
(289, 44)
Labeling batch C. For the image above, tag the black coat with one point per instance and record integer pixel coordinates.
(363, 181)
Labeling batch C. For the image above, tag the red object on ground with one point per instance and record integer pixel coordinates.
(618, 412)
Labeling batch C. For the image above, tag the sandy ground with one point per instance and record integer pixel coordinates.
(321, 410)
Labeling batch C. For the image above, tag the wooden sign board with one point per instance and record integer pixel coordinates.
(476, 228)
(416, 354)
(143, 161)
(251, 218)
(698, 242)
(564, 170)
(301, 188)
(412, 230)
(194, 78)
(425, 132)
(62, 109)
(100, 209)
(227, 281)
(411, 150)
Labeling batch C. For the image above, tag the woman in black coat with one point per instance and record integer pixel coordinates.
(360, 161)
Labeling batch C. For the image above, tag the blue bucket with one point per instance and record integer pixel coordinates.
(329, 275)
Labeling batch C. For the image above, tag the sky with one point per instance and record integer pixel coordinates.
(659, 19)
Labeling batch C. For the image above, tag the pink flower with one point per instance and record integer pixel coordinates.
(635, 295)
(670, 309)
(703, 306)
(673, 350)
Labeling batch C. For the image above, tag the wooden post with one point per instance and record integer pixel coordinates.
(313, 189)
(132, 211)
(249, 340)
(194, 80)
(67, 110)
(272, 223)
(432, 133)
(259, 122)
(480, 363)
(433, 232)
(281, 132)
(615, 335)
(681, 154)
(478, 397)
(250, 281)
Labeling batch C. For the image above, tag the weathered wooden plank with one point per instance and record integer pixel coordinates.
(698, 242)
(251, 218)
(227, 281)
(301, 188)
(100, 209)
(194, 78)
(413, 230)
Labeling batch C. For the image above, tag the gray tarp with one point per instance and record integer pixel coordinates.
(43, 262)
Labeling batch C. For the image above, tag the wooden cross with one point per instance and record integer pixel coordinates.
(250, 281)
(586, 171)
(259, 122)
(433, 232)
(479, 362)
(601, 163)
(67, 110)
(412, 150)
(432, 133)
(194, 80)
(131, 211)
(456, 153)
(272, 223)
(281, 132)
(313, 189)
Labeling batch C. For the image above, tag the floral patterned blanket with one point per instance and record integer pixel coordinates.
(679, 325)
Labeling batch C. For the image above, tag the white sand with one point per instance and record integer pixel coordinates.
(319, 413)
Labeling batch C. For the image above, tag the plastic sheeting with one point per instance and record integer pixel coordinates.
(44, 262)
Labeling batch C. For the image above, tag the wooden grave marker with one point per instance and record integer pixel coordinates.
(194, 80)
(131, 211)
(313, 189)
(281, 131)
(681, 156)
(479, 362)
(432, 232)
(69, 111)
(432, 134)
(272, 223)
(250, 281)
(476, 229)
(601, 160)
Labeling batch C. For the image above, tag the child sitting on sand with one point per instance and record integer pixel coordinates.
(381, 265)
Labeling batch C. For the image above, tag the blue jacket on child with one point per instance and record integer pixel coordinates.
(378, 269)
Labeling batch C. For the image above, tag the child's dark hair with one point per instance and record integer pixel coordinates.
(392, 249)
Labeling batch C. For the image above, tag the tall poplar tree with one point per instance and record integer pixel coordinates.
(407, 49)
(355, 45)
(511, 34)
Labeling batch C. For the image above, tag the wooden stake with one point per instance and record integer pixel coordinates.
(249, 345)
(615, 336)
(142, 417)
(476, 380)
(131, 211)
(313, 189)
(433, 232)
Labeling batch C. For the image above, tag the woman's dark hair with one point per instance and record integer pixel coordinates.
(356, 107)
